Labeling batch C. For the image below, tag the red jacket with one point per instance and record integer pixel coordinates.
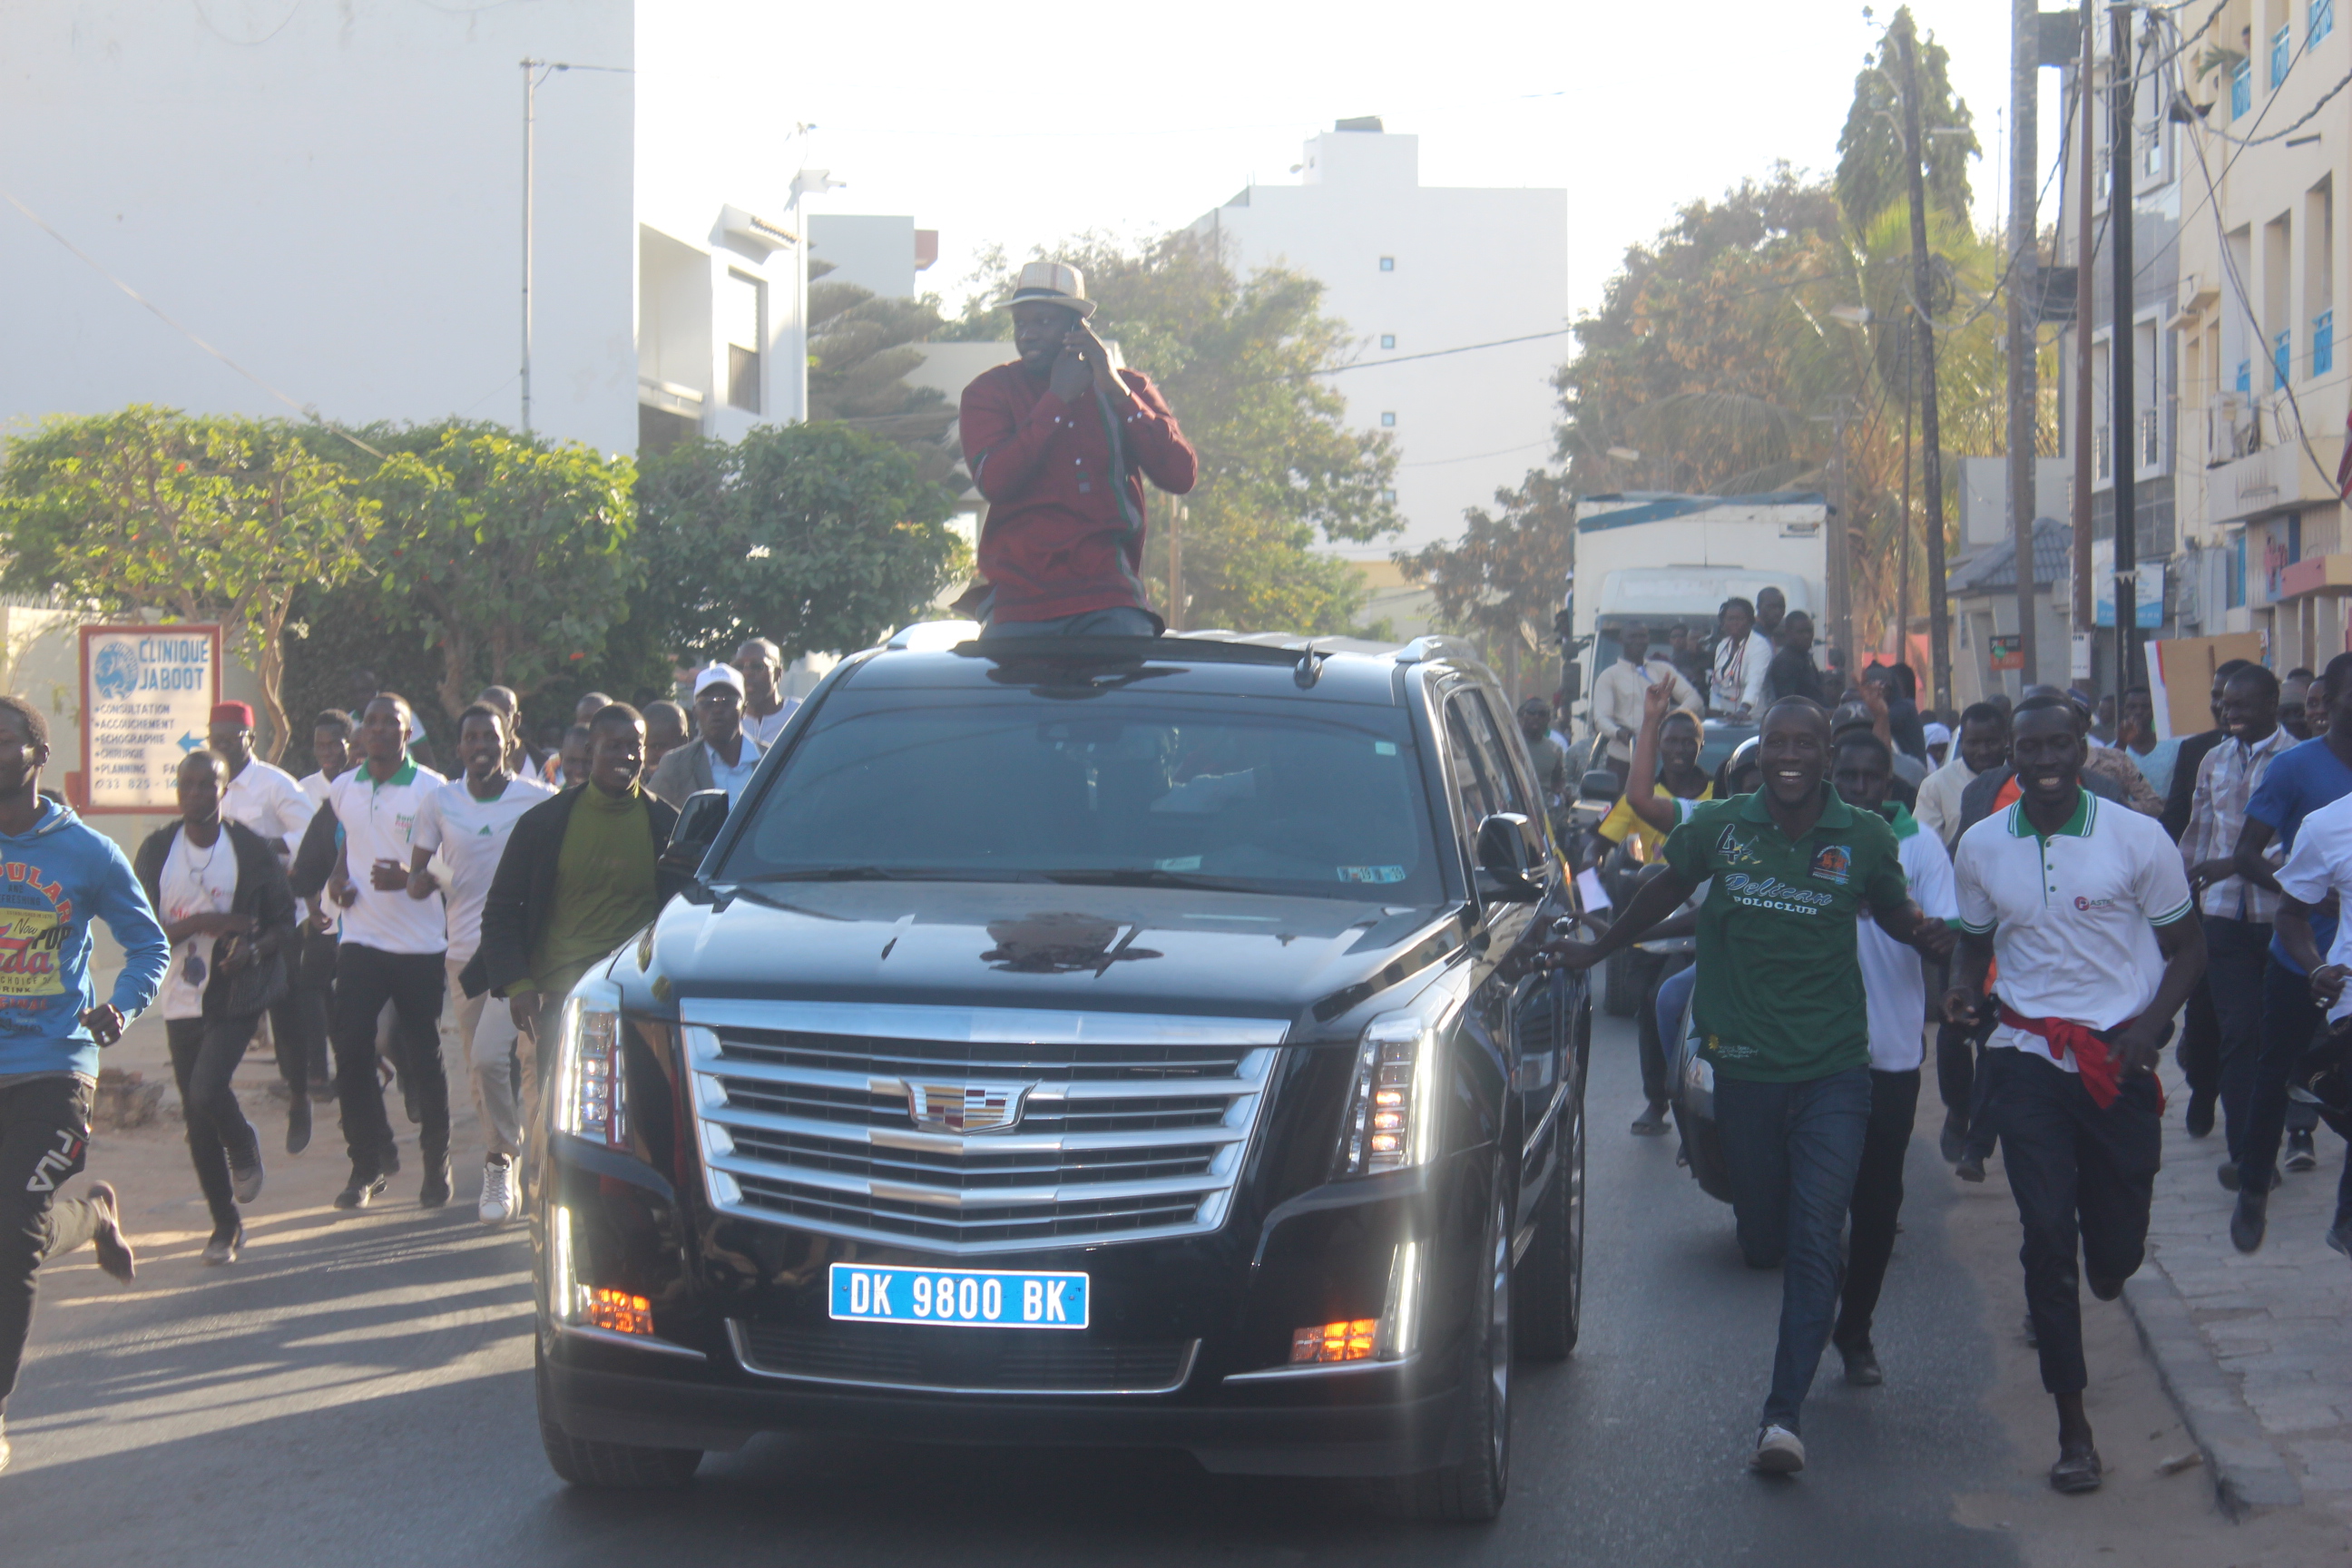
(1062, 538)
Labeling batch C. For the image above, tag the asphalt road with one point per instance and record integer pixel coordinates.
(356, 1392)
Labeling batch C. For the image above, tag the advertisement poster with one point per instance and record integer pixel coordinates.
(147, 696)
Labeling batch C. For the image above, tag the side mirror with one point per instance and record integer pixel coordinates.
(698, 823)
(1507, 864)
(1571, 680)
(1600, 785)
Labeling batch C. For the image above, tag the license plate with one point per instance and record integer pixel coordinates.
(961, 1297)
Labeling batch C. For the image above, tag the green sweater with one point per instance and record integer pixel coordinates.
(604, 887)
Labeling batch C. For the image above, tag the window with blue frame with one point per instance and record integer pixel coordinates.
(2323, 343)
(2282, 359)
(2242, 90)
(2245, 375)
(2323, 21)
(2282, 55)
(2236, 592)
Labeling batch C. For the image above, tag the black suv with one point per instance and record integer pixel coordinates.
(1084, 1041)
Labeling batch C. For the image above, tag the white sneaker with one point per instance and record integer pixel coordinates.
(1778, 1452)
(498, 1191)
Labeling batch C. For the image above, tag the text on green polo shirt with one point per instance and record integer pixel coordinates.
(1778, 997)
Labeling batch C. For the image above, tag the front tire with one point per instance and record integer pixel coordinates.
(608, 1466)
(1550, 1279)
(1473, 1490)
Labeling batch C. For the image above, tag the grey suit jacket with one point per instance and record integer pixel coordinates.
(688, 769)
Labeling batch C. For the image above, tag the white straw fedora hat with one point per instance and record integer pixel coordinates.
(1052, 283)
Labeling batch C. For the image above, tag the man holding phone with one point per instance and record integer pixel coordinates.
(1060, 442)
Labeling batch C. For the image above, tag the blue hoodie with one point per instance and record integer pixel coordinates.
(52, 882)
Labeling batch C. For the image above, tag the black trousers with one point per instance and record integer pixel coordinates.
(1877, 1200)
(2082, 1178)
(2292, 1023)
(298, 1026)
(2200, 1050)
(44, 1137)
(365, 979)
(205, 1054)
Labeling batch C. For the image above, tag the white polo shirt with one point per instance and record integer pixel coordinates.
(471, 835)
(379, 823)
(1893, 982)
(2321, 865)
(268, 800)
(765, 731)
(2074, 916)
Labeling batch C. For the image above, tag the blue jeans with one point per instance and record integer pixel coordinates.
(1793, 1150)
(1123, 622)
(2236, 954)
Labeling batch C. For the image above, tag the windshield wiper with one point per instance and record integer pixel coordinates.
(1147, 877)
(890, 874)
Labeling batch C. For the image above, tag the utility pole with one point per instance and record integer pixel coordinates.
(1923, 293)
(1175, 563)
(2024, 298)
(1903, 528)
(2124, 443)
(2086, 292)
(530, 81)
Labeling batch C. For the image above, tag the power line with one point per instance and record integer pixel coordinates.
(310, 413)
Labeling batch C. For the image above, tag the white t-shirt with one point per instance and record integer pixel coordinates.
(379, 822)
(195, 882)
(1894, 983)
(765, 731)
(2321, 865)
(471, 835)
(268, 800)
(2073, 917)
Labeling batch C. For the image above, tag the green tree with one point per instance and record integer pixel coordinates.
(217, 519)
(1281, 473)
(862, 347)
(1871, 176)
(812, 535)
(1502, 581)
(510, 556)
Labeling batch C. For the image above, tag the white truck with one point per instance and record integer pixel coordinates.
(1668, 560)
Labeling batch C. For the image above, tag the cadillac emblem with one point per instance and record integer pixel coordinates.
(964, 1107)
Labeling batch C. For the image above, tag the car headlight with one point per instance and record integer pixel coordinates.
(589, 1101)
(1393, 1106)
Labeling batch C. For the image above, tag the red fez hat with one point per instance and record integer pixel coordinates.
(238, 713)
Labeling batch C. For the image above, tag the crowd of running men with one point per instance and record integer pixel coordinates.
(2063, 902)
(345, 909)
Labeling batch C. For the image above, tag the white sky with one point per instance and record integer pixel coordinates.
(1020, 124)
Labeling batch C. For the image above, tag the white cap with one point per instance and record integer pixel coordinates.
(1937, 734)
(718, 674)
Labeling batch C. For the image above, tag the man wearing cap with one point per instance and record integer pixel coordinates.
(268, 800)
(725, 757)
(1060, 442)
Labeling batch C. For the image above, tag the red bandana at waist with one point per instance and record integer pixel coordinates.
(2088, 1047)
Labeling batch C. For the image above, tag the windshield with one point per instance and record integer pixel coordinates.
(1284, 797)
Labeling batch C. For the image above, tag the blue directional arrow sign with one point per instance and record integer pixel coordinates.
(189, 743)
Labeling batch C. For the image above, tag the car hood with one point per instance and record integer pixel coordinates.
(1030, 945)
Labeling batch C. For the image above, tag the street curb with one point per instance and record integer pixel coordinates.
(2248, 1471)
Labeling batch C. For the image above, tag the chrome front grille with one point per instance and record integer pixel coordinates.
(967, 1361)
(1130, 1127)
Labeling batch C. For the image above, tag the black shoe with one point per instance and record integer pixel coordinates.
(113, 1249)
(226, 1244)
(1651, 1123)
(2105, 1289)
(2199, 1119)
(1862, 1368)
(436, 1190)
(365, 1187)
(298, 1123)
(2076, 1472)
(1971, 1166)
(2300, 1154)
(2252, 1219)
(1955, 1139)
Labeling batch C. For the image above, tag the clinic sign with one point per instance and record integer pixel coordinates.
(147, 696)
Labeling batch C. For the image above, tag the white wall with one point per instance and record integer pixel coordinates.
(328, 193)
(1471, 267)
(871, 251)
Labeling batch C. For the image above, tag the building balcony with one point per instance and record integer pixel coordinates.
(670, 397)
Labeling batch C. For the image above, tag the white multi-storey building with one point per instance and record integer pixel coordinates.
(1415, 272)
(332, 198)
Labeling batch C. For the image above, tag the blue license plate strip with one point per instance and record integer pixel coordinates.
(957, 1298)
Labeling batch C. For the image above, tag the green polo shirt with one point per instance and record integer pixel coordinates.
(1778, 997)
